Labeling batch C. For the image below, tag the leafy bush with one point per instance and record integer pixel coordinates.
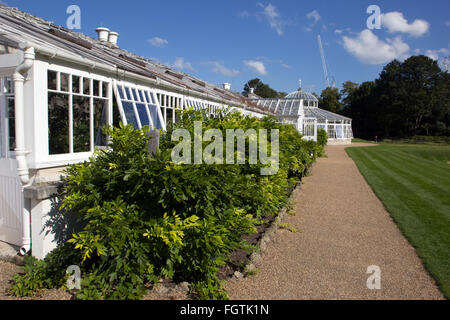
(322, 137)
(146, 217)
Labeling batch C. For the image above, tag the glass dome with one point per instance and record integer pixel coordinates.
(300, 94)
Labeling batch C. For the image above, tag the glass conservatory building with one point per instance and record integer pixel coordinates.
(301, 109)
(58, 88)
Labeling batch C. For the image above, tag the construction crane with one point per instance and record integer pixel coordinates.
(324, 63)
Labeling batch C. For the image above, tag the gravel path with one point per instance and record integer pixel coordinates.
(343, 229)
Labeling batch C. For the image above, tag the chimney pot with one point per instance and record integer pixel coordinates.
(103, 34)
(227, 86)
(113, 37)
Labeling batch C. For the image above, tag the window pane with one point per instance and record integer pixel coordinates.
(147, 96)
(76, 84)
(100, 121)
(64, 82)
(58, 123)
(121, 94)
(155, 118)
(51, 80)
(128, 91)
(135, 98)
(169, 116)
(86, 86)
(8, 86)
(116, 113)
(11, 123)
(105, 91)
(96, 88)
(142, 114)
(81, 124)
(141, 96)
(129, 114)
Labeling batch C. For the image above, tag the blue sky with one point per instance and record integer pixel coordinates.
(276, 41)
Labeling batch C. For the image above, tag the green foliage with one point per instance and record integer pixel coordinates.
(409, 98)
(262, 90)
(146, 217)
(330, 99)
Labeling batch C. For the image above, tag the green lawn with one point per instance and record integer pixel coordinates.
(413, 182)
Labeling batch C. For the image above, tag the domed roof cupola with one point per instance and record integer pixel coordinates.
(300, 94)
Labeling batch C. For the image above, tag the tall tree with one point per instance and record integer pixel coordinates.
(409, 98)
(348, 89)
(330, 99)
(410, 92)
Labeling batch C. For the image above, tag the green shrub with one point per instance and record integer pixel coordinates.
(322, 137)
(146, 217)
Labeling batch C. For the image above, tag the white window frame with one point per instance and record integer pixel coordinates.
(108, 99)
(151, 94)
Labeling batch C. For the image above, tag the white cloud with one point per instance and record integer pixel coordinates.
(256, 66)
(395, 22)
(219, 68)
(271, 61)
(371, 50)
(314, 15)
(447, 23)
(338, 31)
(437, 54)
(180, 64)
(272, 16)
(158, 42)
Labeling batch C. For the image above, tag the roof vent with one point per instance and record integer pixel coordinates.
(103, 34)
(227, 86)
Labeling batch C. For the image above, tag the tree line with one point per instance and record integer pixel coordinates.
(409, 98)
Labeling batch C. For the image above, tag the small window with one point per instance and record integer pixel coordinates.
(51, 80)
(81, 124)
(86, 86)
(64, 82)
(100, 121)
(129, 114)
(169, 112)
(105, 89)
(11, 123)
(143, 116)
(129, 94)
(155, 117)
(116, 113)
(135, 97)
(96, 88)
(58, 123)
(148, 97)
(141, 96)
(121, 92)
(76, 84)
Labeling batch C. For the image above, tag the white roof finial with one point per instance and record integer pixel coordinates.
(300, 84)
